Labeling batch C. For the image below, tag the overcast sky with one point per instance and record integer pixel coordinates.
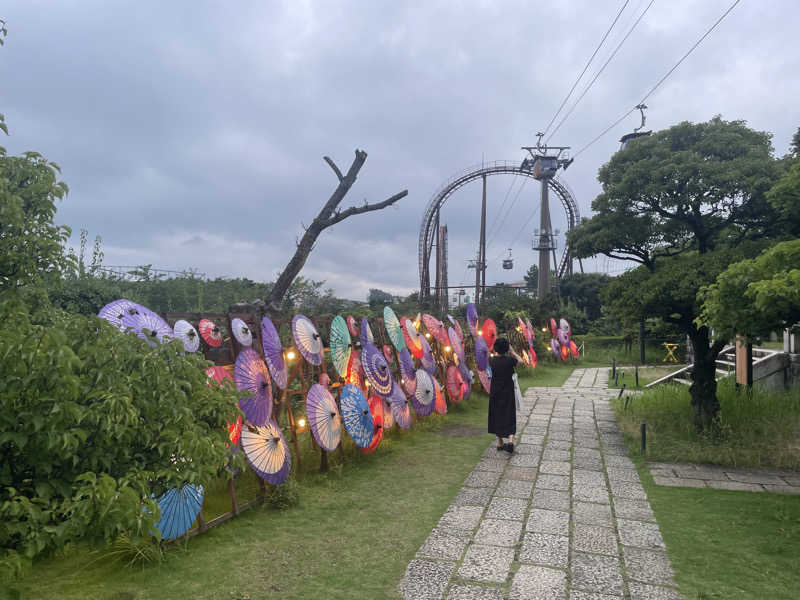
(191, 134)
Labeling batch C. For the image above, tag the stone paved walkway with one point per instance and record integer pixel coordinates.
(564, 517)
(725, 478)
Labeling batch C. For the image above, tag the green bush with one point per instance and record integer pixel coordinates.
(92, 422)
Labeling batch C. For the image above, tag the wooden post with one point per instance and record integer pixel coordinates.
(234, 499)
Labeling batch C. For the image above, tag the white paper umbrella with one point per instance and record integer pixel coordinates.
(187, 334)
(324, 417)
(242, 332)
(307, 339)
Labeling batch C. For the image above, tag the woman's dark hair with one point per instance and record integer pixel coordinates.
(501, 345)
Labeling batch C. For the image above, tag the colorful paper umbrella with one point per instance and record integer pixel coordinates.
(388, 354)
(486, 380)
(573, 348)
(531, 331)
(459, 331)
(436, 328)
(242, 333)
(251, 374)
(210, 333)
(467, 377)
(218, 374)
(401, 411)
(440, 405)
(456, 345)
(266, 451)
(235, 431)
(376, 369)
(564, 324)
(366, 333)
(411, 337)
(481, 353)
(187, 334)
(323, 417)
(114, 311)
(425, 394)
(407, 374)
(179, 509)
(388, 417)
(564, 352)
(341, 345)
(356, 415)
(376, 411)
(307, 339)
(523, 329)
(555, 347)
(489, 332)
(273, 353)
(352, 326)
(525, 358)
(454, 383)
(148, 326)
(354, 371)
(553, 327)
(393, 328)
(472, 319)
(428, 362)
(534, 358)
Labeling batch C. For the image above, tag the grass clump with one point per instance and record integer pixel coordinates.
(755, 428)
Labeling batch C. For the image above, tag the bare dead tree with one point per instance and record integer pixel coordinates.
(327, 217)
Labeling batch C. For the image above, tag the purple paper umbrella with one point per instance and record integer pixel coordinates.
(250, 374)
(324, 417)
(428, 362)
(114, 311)
(388, 417)
(481, 353)
(472, 319)
(148, 326)
(273, 353)
(555, 347)
(563, 337)
(267, 452)
(376, 369)
(468, 378)
(366, 336)
(424, 399)
(307, 339)
(407, 374)
(458, 347)
(486, 380)
(401, 411)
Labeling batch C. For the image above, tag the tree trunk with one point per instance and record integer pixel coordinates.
(703, 390)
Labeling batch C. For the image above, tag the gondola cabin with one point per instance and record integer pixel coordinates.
(508, 263)
(545, 167)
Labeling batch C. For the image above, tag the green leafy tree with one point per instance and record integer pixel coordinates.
(757, 296)
(532, 277)
(681, 203)
(378, 297)
(584, 290)
(785, 195)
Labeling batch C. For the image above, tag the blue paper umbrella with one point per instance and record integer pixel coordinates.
(267, 452)
(401, 411)
(114, 311)
(481, 353)
(251, 374)
(428, 362)
(376, 368)
(323, 417)
(179, 509)
(423, 398)
(273, 353)
(356, 415)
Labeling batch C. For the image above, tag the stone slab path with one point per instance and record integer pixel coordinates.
(725, 478)
(564, 517)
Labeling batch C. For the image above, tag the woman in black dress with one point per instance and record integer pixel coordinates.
(502, 406)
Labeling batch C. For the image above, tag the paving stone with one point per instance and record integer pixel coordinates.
(754, 477)
(486, 563)
(587, 462)
(553, 482)
(557, 445)
(679, 482)
(637, 510)
(590, 493)
(791, 478)
(641, 591)
(426, 580)
(592, 514)
(507, 508)
(482, 479)
(592, 538)
(474, 592)
(545, 549)
(622, 462)
(579, 595)
(617, 450)
(623, 474)
(701, 472)
(554, 467)
(662, 473)
(736, 486)
(498, 532)
(548, 521)
(542, 583)
(527, 449)
(532, 438)
(473, 497)
(493, 452)
(521, 473)
(442, 545)
(596, 573)
(491, 464)
(556, 455)
(559, 435)
(647, 566)
(550, 499)
(587, 477)
(513, 488)
(464, 518)
(524, 460)
(585, 452)
(628, 490)
(640, 534)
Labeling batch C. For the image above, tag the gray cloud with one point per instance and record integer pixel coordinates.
(192, 135)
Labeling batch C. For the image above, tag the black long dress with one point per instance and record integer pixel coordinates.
(502, 406)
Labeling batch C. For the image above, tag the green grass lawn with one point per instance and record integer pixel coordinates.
(627, 376)
(728, 545)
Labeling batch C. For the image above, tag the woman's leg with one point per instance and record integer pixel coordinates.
(499, 442)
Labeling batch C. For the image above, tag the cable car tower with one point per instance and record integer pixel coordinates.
(544, 162)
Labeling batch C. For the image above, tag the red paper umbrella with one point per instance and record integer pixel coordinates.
(454, 384)
(525, 358)
(376, 409)
(553, 327)
(411, 337)
(441, 404)
(486, 381)
(218, 374)
(352, 326)
(387, 352)
(573, 348)
(436, 329)
(210, 333)
(235, 431)
(564, 352)
(534, 358)
(354, 373)
(324, 380)
(489, 332)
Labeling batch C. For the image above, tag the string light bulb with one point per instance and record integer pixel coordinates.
(447, 348)
(480, 331)
(301, 423)
(290, 355)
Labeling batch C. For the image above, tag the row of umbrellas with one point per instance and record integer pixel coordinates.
(562, 344)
